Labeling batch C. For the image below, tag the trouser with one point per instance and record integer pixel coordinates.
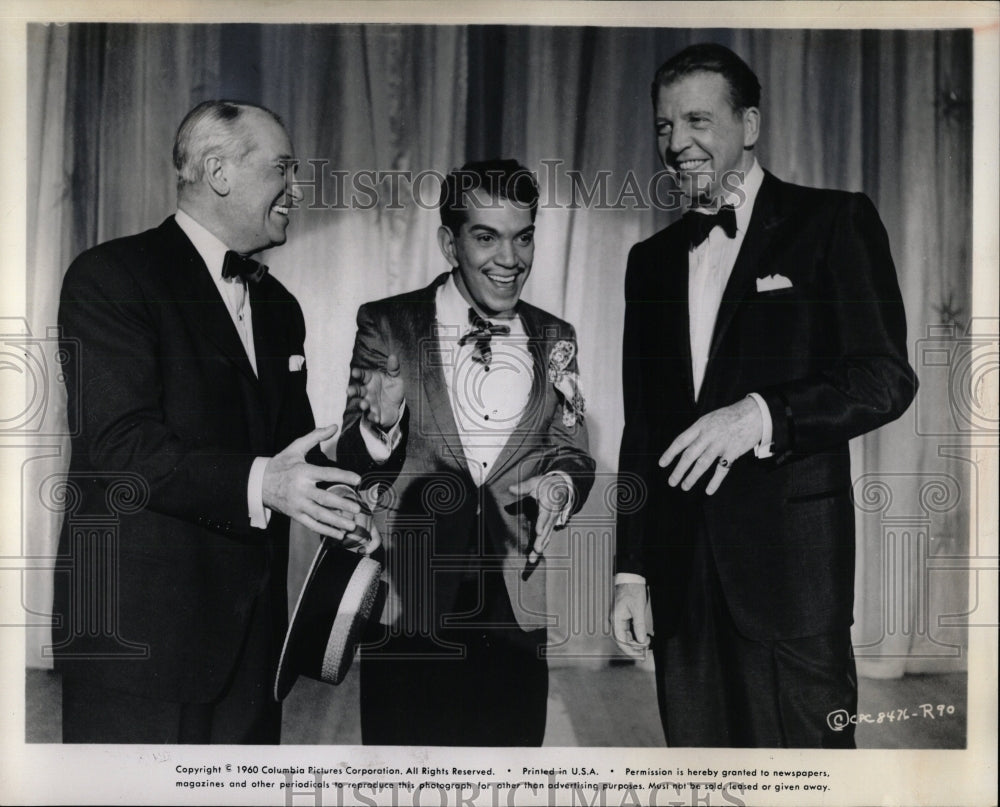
(718, 688)
(483, 682)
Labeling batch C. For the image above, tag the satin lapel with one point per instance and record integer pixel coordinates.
(200, 301)
(530, 424)
(673, 270)
(743, 277)
(271, 350)
(436, 415)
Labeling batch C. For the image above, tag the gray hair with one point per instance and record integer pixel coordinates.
(213, 127)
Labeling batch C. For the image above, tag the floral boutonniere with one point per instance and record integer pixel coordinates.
(566, 382)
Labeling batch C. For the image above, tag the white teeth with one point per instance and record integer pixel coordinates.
(280, 209)
(687, 165)
(506, 281)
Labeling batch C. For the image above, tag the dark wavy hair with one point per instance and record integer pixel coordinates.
(709, 57)
(501, 179)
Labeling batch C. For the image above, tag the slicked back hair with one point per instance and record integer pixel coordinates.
(213, 127)
(709, 57)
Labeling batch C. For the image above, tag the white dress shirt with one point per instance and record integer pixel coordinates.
(234, 294)
(487, 404)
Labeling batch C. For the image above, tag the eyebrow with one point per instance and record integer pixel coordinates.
(487, 229)
(687, 114)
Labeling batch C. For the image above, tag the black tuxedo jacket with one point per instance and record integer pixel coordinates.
(439, 525)
(168, 407)
(828, 355)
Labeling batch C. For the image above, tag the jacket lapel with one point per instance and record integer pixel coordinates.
(674, 271)
(436, 416)
(201, 303)
(271, 350)
(741, 282)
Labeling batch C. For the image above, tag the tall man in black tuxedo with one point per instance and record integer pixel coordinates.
(759, 339)
(192, 395)
(486, 457)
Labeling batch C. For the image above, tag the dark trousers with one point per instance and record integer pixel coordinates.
(245, 712)
(717, 688)
(485, 683)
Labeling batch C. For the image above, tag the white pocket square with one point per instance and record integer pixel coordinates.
(773, 283)
(296, 363)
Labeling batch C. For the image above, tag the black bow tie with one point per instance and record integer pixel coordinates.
(482, 331)
(699, 225)
(236, 265)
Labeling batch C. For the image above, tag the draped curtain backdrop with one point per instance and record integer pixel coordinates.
(883, 112)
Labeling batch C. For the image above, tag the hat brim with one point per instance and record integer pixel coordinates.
(330, 615)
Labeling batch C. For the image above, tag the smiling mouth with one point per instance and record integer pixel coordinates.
(503, 281)
(280, 209)
(690, 165)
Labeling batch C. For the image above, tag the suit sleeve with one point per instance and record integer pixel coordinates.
(569, 446)
(870, 381)
(122, 421)
(370, 352)
(635, 462)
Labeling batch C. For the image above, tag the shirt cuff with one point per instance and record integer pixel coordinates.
(567, 510)
(627, 577)
(260, 516)
(381, 444)
(763, 449)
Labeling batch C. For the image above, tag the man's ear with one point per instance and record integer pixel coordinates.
(446, 240)
(751, 127)
(215, 174)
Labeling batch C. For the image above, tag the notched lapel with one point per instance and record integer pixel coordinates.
(436, 416)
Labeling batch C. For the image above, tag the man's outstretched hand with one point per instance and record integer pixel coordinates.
(552, 493)
(290, 487)
(379, 392)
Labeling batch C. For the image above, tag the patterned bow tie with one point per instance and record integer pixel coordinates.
(482, 331)
(699, 225)
(236, 265)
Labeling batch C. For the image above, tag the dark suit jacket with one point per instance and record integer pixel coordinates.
(434, 506)
(169, 407)
(828, 355)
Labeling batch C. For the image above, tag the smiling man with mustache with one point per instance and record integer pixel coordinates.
(190, 391)
(487, 456)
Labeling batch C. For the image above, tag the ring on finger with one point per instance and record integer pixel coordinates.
(723, 463)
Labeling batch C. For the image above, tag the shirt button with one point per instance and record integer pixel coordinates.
(486, 417)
